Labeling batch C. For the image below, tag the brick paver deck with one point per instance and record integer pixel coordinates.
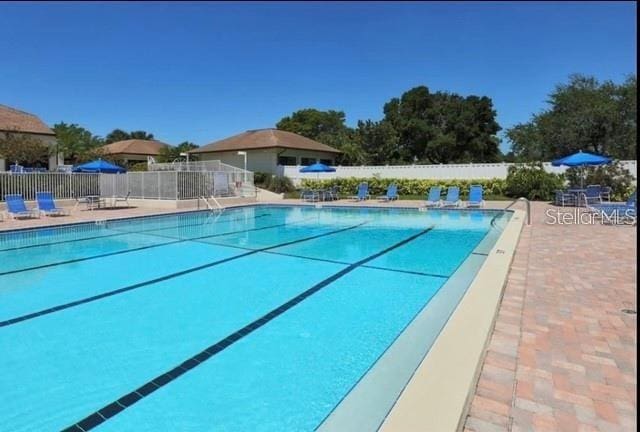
(562, 356)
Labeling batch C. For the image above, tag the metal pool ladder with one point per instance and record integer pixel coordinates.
(528, 207)
(218, 207)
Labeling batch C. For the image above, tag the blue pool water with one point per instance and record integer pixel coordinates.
(257, 319)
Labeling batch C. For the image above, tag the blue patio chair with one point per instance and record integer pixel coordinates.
(605, 193)
(309, 195)
(433, 199)
(333, 193)
(613, 211)
(453, 197)
(47, 205)
(592, 195)
(363, 192)
(17, 208)
(563, 198)
(475, 196)
(392, 193)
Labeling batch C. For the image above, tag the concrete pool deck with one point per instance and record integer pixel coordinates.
(562, 355)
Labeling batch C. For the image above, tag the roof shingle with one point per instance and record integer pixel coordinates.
(135, 146)
(264, 139)
(13, 120)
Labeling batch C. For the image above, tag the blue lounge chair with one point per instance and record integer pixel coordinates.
(614, 211)
(475, 196)
(17, 209)
(47, 205)
(392, 193)
(453, 197)
(433, 199)
(363, 192)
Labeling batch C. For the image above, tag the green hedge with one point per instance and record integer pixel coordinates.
(378, 186)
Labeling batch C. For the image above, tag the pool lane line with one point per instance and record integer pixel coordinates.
(120, 233)
(163, 278)
(124, 251)
(112, 409)
(414, 272)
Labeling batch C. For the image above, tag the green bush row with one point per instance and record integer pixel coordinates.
(378, 186)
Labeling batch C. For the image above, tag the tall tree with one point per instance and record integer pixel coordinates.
(121, 135)
(443, 127)
(327, 127)
(75, 142)
(171, 153)
(378, 141)
(584, 114)
(314, 124)
(23, 149)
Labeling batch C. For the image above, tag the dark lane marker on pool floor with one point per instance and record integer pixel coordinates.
(175, 240)
(163, 278)
(110, 410)
(121, 233)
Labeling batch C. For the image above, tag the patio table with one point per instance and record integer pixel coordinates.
(579, 194)
(93, 201)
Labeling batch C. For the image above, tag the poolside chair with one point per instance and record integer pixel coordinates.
(17, 209)
(333, 193)
(124, 199)
(47, 205)
(453, 197)
(475, 196)
(363, 192)
(605, 193)
(614, 211)
(392, 193)
(309, 195)
(563, 198)
(592, 195)
(433, 199)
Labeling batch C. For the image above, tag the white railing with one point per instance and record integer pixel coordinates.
(161, 185)
(63, 185)
(440, 172)
(174, 185)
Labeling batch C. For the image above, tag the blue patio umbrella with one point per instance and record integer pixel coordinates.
(582, 159)
(99, 166)
(317, 168)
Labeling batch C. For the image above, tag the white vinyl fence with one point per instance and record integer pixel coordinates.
(439, 172)
(63, 185)
(161, 185)
(175, 185)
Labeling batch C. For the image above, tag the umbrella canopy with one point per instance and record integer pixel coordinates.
(582, 159)
(99, 166)
(317, 168)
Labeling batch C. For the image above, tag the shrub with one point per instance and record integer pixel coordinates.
(378, 186)
(139, 166)
(279, 184)
(260, 178)
(532, 181)
(613, 175)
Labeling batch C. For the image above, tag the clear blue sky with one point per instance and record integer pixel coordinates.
(200, 72)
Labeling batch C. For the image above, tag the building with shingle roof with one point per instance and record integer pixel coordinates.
(134, 149)
(16, 121)
(266, 149)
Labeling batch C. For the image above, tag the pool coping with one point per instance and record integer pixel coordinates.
(438, 395)
(259, 204)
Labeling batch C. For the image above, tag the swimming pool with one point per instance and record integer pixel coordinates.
(258, 318)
